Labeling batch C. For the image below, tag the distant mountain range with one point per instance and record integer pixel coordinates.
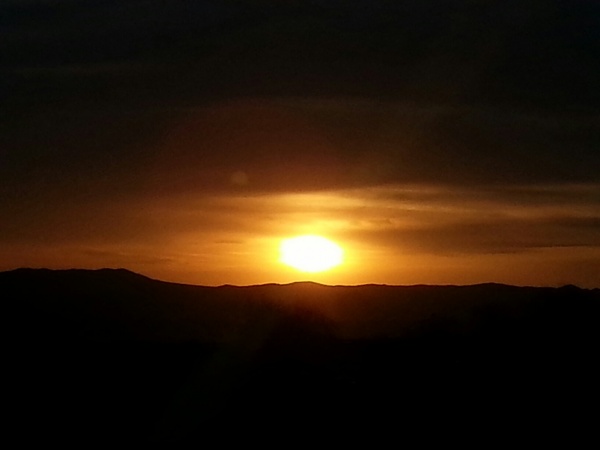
(117, 304)
(119, 356)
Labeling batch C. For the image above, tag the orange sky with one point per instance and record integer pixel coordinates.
(390, 234)
(221, 187)
(436, 142)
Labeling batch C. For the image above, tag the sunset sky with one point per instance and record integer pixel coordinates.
(438, 142)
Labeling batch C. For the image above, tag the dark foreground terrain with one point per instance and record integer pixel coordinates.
(113, 357)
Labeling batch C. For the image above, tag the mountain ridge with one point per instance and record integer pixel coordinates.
(148, 361)
(129, 272)
(108, 300)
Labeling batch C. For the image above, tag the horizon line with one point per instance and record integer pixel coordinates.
(301, 282)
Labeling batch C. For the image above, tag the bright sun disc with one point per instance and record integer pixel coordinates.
(310, 253)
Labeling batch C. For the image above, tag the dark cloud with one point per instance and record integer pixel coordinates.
(442, 220)
(290, 145)
(446, 90)
(493, 237)
(523, 54)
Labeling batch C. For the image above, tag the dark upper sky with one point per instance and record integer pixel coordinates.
(114, 105)
(528, 55)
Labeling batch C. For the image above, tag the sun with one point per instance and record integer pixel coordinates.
(310, 253)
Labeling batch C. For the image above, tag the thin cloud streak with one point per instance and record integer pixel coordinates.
(380, 226)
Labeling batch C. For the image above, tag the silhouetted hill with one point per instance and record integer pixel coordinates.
(121, 356)
(116, 304)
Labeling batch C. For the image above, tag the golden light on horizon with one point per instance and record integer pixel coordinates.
(310, 253)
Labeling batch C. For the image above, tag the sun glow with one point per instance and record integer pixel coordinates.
(310, 253)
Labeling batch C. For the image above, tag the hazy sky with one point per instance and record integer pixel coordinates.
(436, 141)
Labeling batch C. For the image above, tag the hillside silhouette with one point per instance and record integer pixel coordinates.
(107, 355)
